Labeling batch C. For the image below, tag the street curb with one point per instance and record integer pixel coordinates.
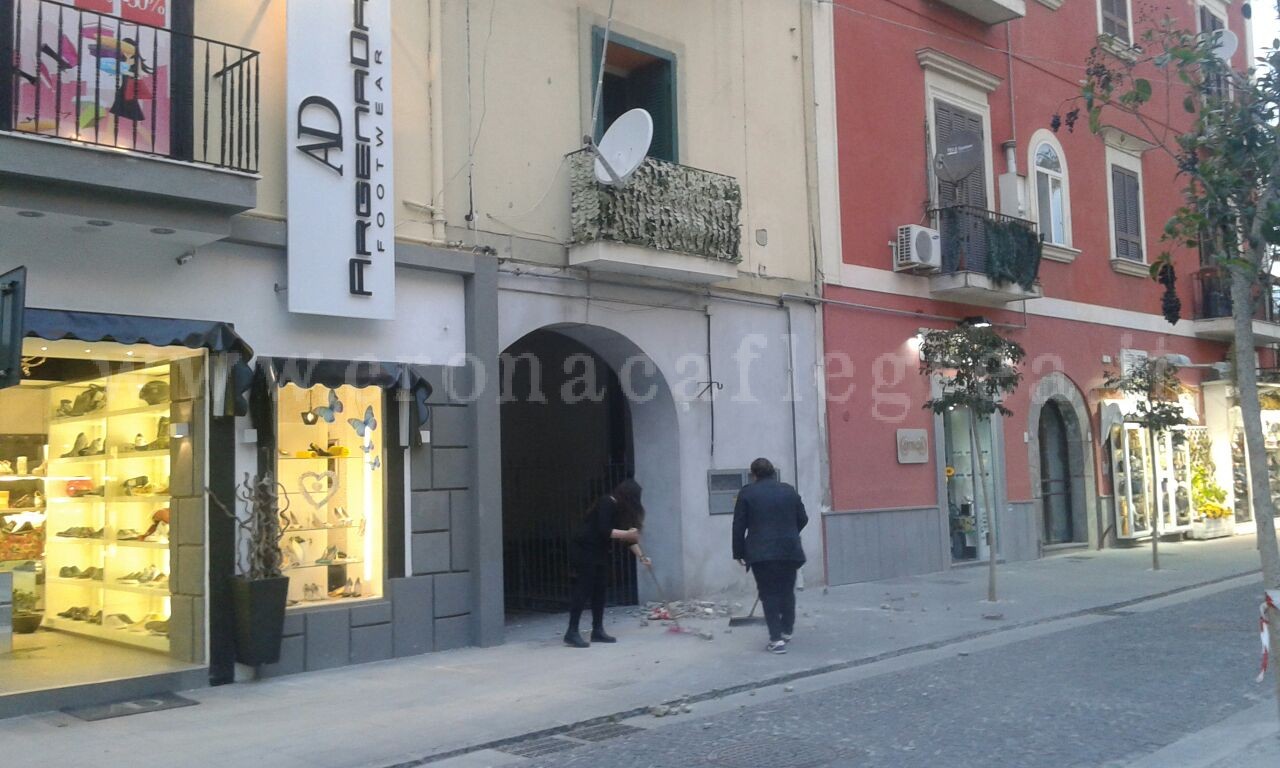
(719, 693)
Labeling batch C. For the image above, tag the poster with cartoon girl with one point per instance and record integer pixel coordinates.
(96, 72)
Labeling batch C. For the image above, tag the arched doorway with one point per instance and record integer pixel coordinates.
(1061, 463)
(566, 440)
(1057, 506)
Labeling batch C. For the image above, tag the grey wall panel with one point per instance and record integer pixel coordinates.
(883, 544)
(1020, 531)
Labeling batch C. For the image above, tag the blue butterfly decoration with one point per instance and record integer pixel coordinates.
(364, 427)
(330, 412)
(366, 447)
(376, 463)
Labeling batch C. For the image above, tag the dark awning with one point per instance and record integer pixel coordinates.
(56, 324)
(310, 372)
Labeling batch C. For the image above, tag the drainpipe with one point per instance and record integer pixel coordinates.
(434, 103)
(711, 387)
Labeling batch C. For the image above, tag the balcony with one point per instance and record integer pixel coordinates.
(988, 259)
(1212, 308)
(148, 132)
(990, 11)
(670, 222)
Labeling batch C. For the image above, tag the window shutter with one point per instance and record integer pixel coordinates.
(973, 189)
(1115, 19)
(1126, 201)
(653, 88)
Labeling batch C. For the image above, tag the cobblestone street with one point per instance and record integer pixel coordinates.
(1105, 694)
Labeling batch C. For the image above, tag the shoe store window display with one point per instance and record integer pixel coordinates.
(95, 489)
(330, 466)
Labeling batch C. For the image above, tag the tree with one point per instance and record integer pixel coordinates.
(1156, 385)
(1225, 142)
(977, 369)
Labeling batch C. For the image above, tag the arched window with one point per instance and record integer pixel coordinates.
(1051, 194)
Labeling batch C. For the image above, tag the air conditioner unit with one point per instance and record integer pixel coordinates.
(919, 249)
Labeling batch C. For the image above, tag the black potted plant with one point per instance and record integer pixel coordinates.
(26, 619)
(260, 590)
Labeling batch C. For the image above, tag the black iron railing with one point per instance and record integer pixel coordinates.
(98, 79)
(1212, 296)
(543, 507)
(1004, 248)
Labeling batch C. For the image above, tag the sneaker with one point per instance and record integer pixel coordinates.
(777, 646)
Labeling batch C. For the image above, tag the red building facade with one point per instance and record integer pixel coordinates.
(978, 82)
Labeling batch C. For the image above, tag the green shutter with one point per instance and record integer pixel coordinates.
(1126, 202)
(653, 88)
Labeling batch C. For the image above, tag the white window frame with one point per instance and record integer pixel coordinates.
(1126, 151)
(1128, 11)
(963, 85)
(1063, 251)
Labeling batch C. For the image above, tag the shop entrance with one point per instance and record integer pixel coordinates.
(89, 443)
(1055, 476)
(566, 441)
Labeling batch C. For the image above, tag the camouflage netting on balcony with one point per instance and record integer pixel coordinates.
(664, 206)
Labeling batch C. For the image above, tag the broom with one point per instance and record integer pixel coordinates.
(750, 618)
(676, 628)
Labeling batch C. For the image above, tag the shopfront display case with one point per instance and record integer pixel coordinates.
(968, 519)
(107, 569)
(1130, 479)
(330, 467)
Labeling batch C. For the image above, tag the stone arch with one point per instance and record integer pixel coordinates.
(1058, 388)
(655, 440)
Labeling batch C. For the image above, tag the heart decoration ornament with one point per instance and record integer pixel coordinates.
(319, 487)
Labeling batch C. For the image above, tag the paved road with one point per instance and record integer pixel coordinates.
(1101, 695)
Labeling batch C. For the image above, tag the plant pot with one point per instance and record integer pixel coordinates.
(26, 623)
(1212, 528)
(259, 608)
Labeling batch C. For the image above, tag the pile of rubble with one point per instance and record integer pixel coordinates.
(684, 609)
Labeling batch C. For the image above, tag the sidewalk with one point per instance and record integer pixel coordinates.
(382, 714)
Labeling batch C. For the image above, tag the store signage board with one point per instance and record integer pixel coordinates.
(13, 296)
(913, 446)
(341, 196)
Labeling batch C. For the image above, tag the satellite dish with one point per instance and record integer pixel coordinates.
(960, 157)
(1227, 44)
(623, 147)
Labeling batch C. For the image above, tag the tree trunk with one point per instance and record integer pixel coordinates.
(1243, 278)
(980, 482)
(1155, 508)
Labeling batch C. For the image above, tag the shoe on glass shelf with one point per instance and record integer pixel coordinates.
(117, 621)
(6, 468)
(316, 522)
(96, 618)
(158, 533)
(130, 578)
(128, 534)
(159, 628)
(139, 443)
(82, 442)
(92, 449)
(330, 553)
(64, 409)
(68, 571)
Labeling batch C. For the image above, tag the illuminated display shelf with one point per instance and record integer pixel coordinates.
(119, 429)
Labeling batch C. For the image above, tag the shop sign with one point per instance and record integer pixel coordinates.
(339, 159)
(913, 446)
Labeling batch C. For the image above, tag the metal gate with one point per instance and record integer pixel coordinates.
(543, 506)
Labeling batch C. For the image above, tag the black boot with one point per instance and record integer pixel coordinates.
(598, 635)
(574, 639)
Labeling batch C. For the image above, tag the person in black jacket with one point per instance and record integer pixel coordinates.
(619, 515)
(767, 521)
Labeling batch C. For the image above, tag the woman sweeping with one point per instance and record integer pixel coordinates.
(620, 516)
